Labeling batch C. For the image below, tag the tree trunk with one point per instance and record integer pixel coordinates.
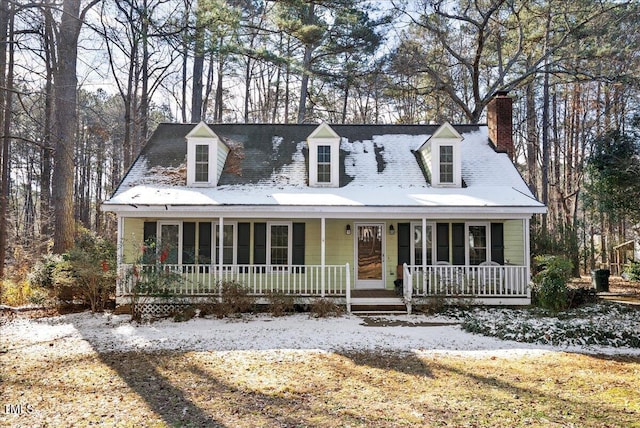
(6, 38)
(65, 121)
(198, 68)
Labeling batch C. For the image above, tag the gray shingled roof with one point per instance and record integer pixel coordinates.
(254, 143)
(268, 165)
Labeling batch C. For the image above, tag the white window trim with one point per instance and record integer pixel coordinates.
(413, 243)
(215, 226)
(467, 247)
(159, 236)
(289, 241)
(457, 162)
(212, 143)
(334, 144)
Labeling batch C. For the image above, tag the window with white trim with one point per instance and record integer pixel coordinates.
(420, 239)
(279, 244)
(169, 247)
(202, 163)
(446, 164)
(324, 164)
(478, 239)
(228, 243)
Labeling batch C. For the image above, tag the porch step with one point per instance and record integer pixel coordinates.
(379, 312)
(377, 301)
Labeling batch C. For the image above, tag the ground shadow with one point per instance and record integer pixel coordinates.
(402, 362)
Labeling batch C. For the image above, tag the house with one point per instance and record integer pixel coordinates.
(348, 212)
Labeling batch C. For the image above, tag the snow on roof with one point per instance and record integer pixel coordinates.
(380, 171)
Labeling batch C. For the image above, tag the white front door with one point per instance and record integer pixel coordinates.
(370, 255)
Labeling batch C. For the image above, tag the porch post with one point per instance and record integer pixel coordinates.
(527, 255)
(322, 254)
(424, 255)
(220, 250)
(120, 242)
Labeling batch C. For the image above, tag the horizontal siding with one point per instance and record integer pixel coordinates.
(223, 151)
(133, 239)
(514, 242)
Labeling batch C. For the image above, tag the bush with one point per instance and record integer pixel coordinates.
(86, 272)
(280, 304)
(18, 293)
(235, 300)
(632, 271)
(41, 274)
(322, 308)
(550, 289)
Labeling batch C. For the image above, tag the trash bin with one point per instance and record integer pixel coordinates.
(600, 279)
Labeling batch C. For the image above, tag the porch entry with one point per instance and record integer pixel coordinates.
(369, 255)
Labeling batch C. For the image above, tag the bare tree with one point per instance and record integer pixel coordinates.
(65, 121)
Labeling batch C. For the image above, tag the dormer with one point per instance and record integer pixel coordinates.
(324, 157)
(441, 153)
(206, 156)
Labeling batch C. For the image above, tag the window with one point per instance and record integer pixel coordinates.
(279, 244)
(228, 249)
(202, 163)
(420, 239)
(446, 164)
(478, 248)
(169, 244)
(324, 164)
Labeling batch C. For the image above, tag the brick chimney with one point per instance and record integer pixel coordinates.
(499, 122)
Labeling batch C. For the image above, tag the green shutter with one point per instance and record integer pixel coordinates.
(298, 238)
(188, 242)
(442, 242)
(458, 247)
(150, 233)
(404, 243)
(244, 243)
(260, 243)
(204, 242)
(497, 243)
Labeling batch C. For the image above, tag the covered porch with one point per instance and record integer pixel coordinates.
(489, 284)
(410, 260)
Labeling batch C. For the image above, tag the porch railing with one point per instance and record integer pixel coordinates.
(466, 281)
(194, 280)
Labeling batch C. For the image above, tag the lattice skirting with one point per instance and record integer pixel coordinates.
(159, 310)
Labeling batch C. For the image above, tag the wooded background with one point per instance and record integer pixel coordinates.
(83, 83)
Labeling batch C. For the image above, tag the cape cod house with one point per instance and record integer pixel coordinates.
(364, 214)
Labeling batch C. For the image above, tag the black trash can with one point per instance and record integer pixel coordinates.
(600, 279)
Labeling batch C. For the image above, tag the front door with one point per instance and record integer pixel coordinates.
(369, 255)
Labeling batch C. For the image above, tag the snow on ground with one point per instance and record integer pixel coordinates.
(86, 332)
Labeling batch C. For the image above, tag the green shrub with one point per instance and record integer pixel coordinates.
(550, 289)
(633, 271)
(86, 272)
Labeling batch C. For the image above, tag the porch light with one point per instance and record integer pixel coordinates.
(392, 230)
(347, 230)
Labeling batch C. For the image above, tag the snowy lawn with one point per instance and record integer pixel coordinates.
(83, 369)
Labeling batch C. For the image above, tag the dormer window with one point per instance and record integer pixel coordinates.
(206, 155)
(324, 153)
(446, 164)
(202, 163)
(441, 154)
(324, 164)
